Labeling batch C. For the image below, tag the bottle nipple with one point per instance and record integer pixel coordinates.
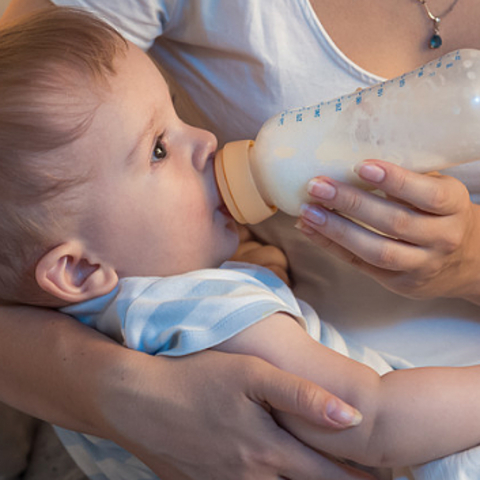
(237, 184)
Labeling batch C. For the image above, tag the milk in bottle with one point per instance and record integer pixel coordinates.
(425, 120)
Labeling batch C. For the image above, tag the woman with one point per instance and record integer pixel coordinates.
(294, 53)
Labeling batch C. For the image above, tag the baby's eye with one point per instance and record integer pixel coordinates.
(159, 151)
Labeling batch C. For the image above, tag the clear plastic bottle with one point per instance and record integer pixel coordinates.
(425, 120)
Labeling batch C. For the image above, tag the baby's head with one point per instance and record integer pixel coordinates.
(99, 178)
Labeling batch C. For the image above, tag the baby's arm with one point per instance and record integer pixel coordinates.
(409, 416)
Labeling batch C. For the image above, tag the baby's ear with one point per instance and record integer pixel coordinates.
(68, 272)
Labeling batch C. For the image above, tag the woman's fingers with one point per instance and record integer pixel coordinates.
(443, 196)
(294, 395)
(361, 242)
(315, 467)
(418, 234)
(288, 393)
(216, 408)
(404, 221)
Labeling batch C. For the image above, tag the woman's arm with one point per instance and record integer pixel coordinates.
(45, 366)
(57, 369)
(430, 230)
(409, 416)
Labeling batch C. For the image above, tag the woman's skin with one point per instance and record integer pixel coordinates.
(56, 369)
(433, 231)
(59, 370)
(391, 38)
(435, 225)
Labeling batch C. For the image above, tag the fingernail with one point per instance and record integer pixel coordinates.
(343, 414)
(313, 214)
(321, 189)
(303, 227)
(370, 172)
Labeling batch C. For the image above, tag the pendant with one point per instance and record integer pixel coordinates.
(435, 41)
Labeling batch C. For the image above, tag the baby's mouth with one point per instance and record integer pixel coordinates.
(223, 209)
(221, 206)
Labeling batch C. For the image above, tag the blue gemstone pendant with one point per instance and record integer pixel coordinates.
(435, 42)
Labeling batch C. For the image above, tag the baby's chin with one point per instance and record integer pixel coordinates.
(229, 255)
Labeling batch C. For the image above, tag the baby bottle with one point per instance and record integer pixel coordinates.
(425, 120)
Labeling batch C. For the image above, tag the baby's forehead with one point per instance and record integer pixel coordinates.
(112, 111)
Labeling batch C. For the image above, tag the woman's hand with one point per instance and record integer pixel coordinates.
(207, 416)
(204, 416)
(422, 240)
(268, 256)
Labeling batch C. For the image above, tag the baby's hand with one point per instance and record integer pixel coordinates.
(251, 251)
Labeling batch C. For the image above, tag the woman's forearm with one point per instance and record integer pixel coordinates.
(54, 368)
(159, 408)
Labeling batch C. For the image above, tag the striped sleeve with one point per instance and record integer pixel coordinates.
(184, 314)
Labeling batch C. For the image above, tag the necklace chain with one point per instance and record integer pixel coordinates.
(436, 39)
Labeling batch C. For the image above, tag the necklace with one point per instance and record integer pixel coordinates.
(436, 39)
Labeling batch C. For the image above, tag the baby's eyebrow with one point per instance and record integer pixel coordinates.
(145, 132)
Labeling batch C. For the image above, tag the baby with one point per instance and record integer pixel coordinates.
(109, 210)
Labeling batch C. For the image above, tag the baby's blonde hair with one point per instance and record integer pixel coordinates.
(49, 60)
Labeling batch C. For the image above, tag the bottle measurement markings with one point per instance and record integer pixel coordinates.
(380, 90)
